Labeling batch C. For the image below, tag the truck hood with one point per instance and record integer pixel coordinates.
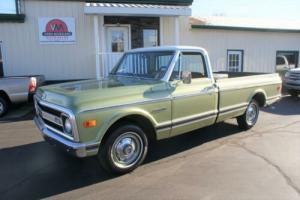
(92, 94)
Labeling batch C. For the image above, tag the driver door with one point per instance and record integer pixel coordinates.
(194, 104)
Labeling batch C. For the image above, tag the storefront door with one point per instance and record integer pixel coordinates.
(117, 42)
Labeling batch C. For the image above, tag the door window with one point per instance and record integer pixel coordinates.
(235, 60)
(117, 39)
(190, 62)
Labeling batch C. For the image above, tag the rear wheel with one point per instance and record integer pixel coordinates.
(249, 118)
(124, 150)
(3, 106)
(294, 93)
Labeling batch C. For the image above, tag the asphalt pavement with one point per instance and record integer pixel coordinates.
(217, 162)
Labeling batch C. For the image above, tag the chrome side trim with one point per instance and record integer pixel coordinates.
(158, 110)
(233, 108)
(193, 121)
(246, 87)
(186, 120)
(195, 94)
(194, 117)
(65, 111)
(127, 104)
(273, 97)
(272, 100)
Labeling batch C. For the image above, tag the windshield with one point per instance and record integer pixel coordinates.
(151, 65)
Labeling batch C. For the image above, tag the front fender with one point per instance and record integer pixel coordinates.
(116, 116)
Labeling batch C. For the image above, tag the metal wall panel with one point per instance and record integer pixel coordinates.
(25, 55)
(259, 47)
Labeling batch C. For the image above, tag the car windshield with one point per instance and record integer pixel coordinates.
(151, 65)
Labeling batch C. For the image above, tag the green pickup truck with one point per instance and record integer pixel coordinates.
(151, 94)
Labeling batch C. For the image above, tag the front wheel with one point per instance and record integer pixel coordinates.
(3, 106)
(249, 118)
(124, 150)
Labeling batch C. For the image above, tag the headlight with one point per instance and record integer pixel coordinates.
(68, 126)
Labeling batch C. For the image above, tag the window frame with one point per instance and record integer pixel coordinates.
(13, 17)
(157, 36)
(242, 58)
(117, 66)
(278, 52)
(206, 74)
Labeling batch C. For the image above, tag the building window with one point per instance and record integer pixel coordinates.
(288, 58)
(1, 60)
(11, 11)
(9, 7)
(150, 37)
(235, 59)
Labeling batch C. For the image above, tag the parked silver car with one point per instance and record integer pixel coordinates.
(292, 81)
(17, 90)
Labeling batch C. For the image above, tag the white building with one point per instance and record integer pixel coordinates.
(244, 45)
(78, 40)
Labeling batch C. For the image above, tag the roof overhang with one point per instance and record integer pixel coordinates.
(255, 29)
(136, 9)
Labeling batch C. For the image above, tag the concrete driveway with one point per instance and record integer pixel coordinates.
(218, 162)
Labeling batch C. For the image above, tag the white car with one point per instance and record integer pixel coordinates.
(17, 89)
(292, 81)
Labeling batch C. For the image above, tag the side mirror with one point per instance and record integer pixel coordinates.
(186, 77)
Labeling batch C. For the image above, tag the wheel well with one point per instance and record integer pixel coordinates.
(141, 121)
(260, 98)
(4, 95)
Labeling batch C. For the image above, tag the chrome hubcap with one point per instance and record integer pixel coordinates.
(251, 114)
(127, 150)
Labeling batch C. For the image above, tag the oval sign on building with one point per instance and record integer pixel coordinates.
(57, 30)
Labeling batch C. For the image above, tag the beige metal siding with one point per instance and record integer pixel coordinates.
(168, 30)
(259, 47)
(25, 55)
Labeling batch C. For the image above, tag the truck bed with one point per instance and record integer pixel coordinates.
(236, 89)
(226, 74)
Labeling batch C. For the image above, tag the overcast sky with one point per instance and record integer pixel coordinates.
(262, 9)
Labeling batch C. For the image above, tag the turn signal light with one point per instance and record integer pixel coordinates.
(90, 123)
(32, 84)
(279, 88)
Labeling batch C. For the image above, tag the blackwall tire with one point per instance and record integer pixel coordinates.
(124, 150)
(250, 117)
(3, 106)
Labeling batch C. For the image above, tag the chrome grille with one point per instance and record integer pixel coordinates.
(52, 119)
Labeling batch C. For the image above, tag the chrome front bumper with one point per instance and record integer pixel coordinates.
(78, 149)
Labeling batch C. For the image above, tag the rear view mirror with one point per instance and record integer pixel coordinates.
(186, 77)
